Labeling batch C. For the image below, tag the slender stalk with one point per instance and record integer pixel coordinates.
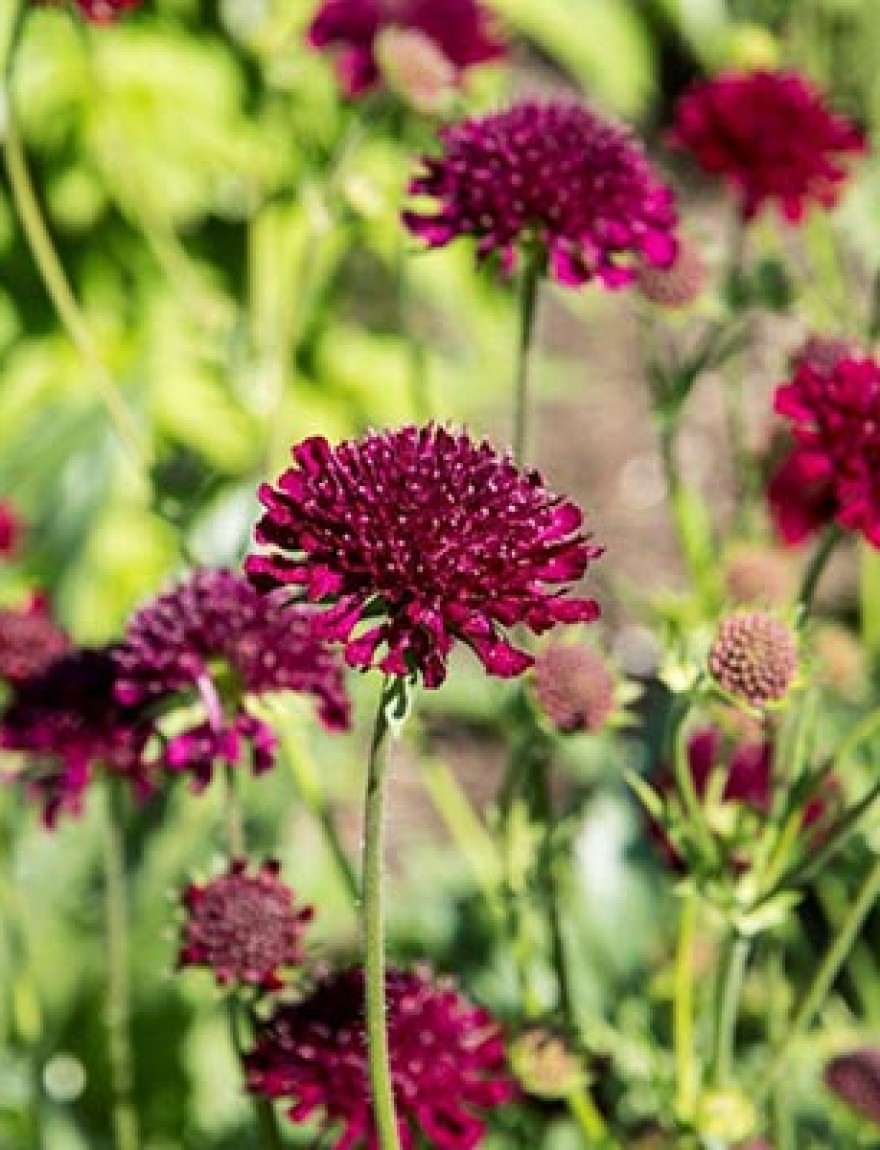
(553, 882)
(234, 823)
(683, 1010)
(730, 983)
(267, 1119)
(816, 566)
(464, 826)
(585, 1112)
(689, 521)
(117, 1018)
(869, 598)
(531, 279)
(374, 933)
(829, 970)
(684, 780)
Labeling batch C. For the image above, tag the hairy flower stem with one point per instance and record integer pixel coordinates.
(689, 521)
(816, 566)
(531, 279)
(554, 886)
(730, 983)
(374, 931)
(117, 1019)
(683, 1010)
(267, 1119)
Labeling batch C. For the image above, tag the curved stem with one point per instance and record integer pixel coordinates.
(234, 822)
(267, 1119)
(684, 779)
(585, 1112)
(531, 278)
(118, 1018)
(374, 933)
(683, 1009)
(816, 566)
(730, 984)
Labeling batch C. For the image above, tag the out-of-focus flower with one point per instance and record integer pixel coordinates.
(462, 31)
(573, 687)
(855, 1078)
(446, 1057)
(771, 136)
(431, 536)
(67, 723)
(101, 11)
(754, 657)
(29, 640)
(414, 68)
(759, 574)
(553, 176)
(544, 1065)
(833, 470)
(10, 530)
(244, 927)
(822, 353)
(216, 639)
(680, 284)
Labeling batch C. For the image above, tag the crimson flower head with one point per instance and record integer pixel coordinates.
(103, 11)
(29, 640)
(833, 470)
(217, 639)
(462, 31)
(245, 927)
(771, 136)
(447, 1061)
(416, 537)
(10, 530)
(555, 176)
(67, 723)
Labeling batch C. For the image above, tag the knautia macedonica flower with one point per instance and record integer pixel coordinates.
(67, 723)
(446, 1057)
(676, 286)
(771, 136)
(10, 530)
(573, 687)
(855, 1078)
(461, 30)
(245, 927)
(423, 537)
(555, 176)
(216, 639)
(29, 640)
(833, 470)
(754, 657)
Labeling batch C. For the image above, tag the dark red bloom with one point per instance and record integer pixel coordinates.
(447, 1061)
(10, 530)
(573, 687)
(67, 723)
(833, 470)
(215, 638)
(855, 1078)
(245, 927)
(29, 641)
(556, 175)
(432, 536)
(461, 29)
(771, 136)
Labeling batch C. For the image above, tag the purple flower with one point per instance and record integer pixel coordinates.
(29, 640)
(218, 639)
(10, 530)
(855, 1078)
(461, 29)
(447, 1061)
(244, 927)
(66, 722)
(555, 175)
(426, 537)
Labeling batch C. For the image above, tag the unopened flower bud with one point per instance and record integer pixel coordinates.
(754, 657)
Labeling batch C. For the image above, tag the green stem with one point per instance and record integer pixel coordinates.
(267, 1119)
(816, 566)
(531, 278)
(684, 779)
(585, 1112)
(117, 1018)
(553, 882)
(689, 520)
(234, 823)
(683, 1010)
(730, 983)
(828, 972)
(464, 826)
(374, 933)
(869, 598)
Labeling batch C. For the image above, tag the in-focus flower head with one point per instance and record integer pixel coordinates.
(424, 536)
(680, 284)
(833, 470)
(10, 530)
(553, 175)
(217, 638)
(573, 687)
(754, 657)
(67, 722)
(855, 1078)
(243, 926)
(462, 31)
(771, 136)
(29, 641)
(446, 1056)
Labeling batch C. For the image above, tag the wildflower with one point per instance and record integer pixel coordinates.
(855, 1078)
(218, 640)
(754, 657)
(67, 723)
(832, 472)
(446, 1057)
(10, 530)
(432, 536)
(29, 641)
(677, 286)
(573, 687)
(415, 69)
(461, 31)
(245, 927)
(771, 136)
(759, 574)
(553, 176)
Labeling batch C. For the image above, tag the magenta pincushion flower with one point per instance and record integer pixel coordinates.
(462, 30)
(67, 723)
(771, 136)
(10, 530)
(422, 536)
(245, 927)
(553, 175)
(447, 1062)
(855, 1078)
(216, 638)
(29, 641)
(833, 470)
